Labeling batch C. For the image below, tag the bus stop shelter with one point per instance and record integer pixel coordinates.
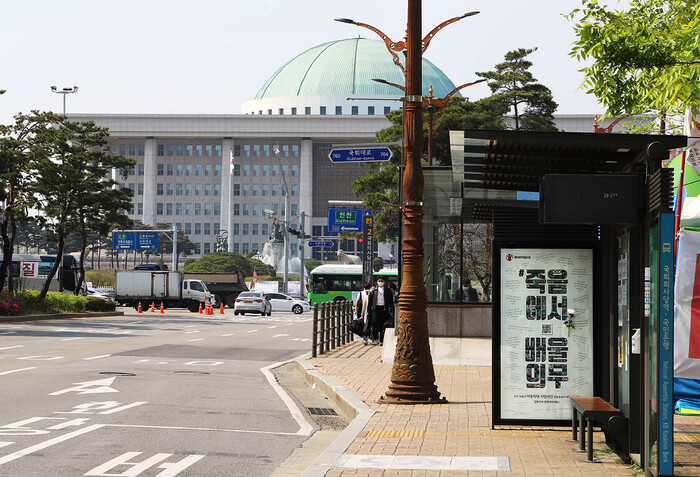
(582, 276)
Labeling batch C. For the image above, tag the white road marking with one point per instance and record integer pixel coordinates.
(16, 370)
(136, 468)
(90, 387)
(72, 339)
(418, 462)
(305, 427)
(97, 357)
(190, 326)
(283, 334)
(270, 327)
(197, 339)
(299, 339)
(5, 444)
(204, 363)
(122, 408)
(253, 331)
(212, 429)
(228, 334)
(49, 443)
(192, 331)
(12, 347)
(6, 332)
(41, 358)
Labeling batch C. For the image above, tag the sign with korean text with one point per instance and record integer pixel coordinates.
(345, 219)
(135, 240)
(546, 328)
(320, 244)
(360, 154)
(367, 248)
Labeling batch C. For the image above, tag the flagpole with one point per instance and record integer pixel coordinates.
(679, 205)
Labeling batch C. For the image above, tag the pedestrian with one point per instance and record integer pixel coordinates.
(381, 305)
(395, 293)
(362, 311)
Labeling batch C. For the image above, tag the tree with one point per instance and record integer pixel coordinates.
(23, 146)
(221, 262)
(29, 234)
(476, 253)
(646, 57)
(531, 104)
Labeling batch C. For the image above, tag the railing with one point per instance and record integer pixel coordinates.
(330, 327)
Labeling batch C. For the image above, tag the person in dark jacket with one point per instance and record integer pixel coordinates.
(381, 307)
(362, 311)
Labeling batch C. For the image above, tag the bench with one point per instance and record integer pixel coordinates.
(594, 409)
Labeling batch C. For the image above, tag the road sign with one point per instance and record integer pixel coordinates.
(367, 248)
(320, 244)
(346, 220)
(135, 241)
(360, 154)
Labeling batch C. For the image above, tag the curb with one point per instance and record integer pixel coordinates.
(352, 406)
(57, 316)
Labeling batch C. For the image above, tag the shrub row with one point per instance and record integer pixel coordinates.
(26, 302)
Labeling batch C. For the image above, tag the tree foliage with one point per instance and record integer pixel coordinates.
(476, 253)
(530, 103)
(645, 57)
(221, 262)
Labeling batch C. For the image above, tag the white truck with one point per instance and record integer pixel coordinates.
(167, 286)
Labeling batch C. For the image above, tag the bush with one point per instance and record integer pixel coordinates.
(60, 302)
(10, 306)
(98, 304)
(29, 299)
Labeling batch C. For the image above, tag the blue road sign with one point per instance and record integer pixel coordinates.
(360, 154)
(346, 220)
(135, 241)
(320, 244)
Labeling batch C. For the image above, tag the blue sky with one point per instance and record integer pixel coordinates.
(208, 57)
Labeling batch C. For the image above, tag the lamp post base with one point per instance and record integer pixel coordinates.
(412, 394)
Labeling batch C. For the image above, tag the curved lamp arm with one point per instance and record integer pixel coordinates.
(391, 45)
(433, 32)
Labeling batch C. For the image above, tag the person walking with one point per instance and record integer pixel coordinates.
(381, 305)
(362, 311)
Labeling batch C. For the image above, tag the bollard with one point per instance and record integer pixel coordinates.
(314, 332)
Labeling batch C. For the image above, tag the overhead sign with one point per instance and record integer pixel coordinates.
(320, 244)
(135, 240)
(362, 154)
(345, 219)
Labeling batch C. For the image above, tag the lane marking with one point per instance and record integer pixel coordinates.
(192, 331)
(49, 443)
(5, 444)
(305, 427)
(16, 370)
(197, 339)
(270, 327)
(97, 357)
(228, 334)
(72, 339)
(253, 331)
(7, 332)
(12, 347)
(283, 334)
(126, 406)
(42, 358)
(210, 429)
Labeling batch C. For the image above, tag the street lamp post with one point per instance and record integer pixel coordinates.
(412, 375)
(64, 92)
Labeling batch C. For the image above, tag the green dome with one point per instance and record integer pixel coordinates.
(345, 67)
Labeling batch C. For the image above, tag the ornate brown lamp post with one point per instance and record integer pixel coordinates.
(412, 375)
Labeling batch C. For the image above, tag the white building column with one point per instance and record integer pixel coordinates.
(306, 182)
(149, 182)
(226, 192)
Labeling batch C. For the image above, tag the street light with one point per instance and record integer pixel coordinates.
(64, 92)
(412, 375)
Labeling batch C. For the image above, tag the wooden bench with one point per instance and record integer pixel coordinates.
(594, 409)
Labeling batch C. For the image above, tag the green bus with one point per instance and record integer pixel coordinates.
(338, 282)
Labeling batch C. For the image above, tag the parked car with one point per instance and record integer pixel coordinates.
(252, 302)
(98, 294)
(282, 302)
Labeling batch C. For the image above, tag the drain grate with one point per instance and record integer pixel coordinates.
(116, 373)
(322, 411)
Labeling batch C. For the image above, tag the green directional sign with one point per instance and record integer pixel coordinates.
(345, 217)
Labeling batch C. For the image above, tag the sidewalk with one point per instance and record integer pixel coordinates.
(456, 439)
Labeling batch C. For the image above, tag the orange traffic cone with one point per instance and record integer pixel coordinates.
(153, 307)
(200, 308)
(139, 310)
(221, 308)
(162, 308)
(208, 308)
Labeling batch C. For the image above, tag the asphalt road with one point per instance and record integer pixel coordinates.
(149, 395)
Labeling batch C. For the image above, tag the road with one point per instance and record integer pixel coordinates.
(148, 395)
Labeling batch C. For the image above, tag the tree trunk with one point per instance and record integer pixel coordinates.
(54, 269)
(81, 263)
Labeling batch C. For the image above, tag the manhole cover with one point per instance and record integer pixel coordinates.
(322, 411)
(116, 373)
(190, 372)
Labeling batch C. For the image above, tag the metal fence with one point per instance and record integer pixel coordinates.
(331, 320)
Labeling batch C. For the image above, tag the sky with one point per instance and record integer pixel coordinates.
(210, 56)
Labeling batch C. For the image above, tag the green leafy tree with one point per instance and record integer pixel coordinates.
(531, 104)
(29, 234)
(23, 146)
(645, 57)
(221, 262)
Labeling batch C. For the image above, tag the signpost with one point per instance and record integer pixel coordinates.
(346, 219)
(320, 244)
(135, 241)
(367, 248)
(360, 154)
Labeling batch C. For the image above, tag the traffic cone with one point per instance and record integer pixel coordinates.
(221, 308)
(153, 307)
(139, 310)
(162, 308)
(200, 308)
(209, 308)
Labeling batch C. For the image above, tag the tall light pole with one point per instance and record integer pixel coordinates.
(64, 92)
(412, 375)
(285, 220)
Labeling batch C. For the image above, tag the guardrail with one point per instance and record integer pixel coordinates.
(330, 326)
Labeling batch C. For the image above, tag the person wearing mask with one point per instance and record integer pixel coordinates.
(381, 306)
(362, 311)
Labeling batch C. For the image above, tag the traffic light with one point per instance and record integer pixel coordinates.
(360, 240)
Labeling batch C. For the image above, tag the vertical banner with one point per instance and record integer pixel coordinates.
(665, 345)
(367, 248)
(546, 331)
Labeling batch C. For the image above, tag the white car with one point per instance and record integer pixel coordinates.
(252, 302)
(282, 302)
(98, 294)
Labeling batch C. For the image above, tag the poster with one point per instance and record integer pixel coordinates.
(546, 342)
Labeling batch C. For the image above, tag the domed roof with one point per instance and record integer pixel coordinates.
(346, 67)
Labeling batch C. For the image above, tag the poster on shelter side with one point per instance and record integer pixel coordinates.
(546, 331)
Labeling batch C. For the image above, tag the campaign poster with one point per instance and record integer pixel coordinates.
(546, 342)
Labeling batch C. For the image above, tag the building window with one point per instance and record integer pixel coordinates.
(200, 150)
(207, 209)
(236, 170)
(171, 150)
(169, 208)
(217, 189)
(168, 189)
(159, 208)
(209, 150)
(178, 209)
(266, 150)
(207, 189)
(197, 248)
(246, 170)
(387, 109)
(159, 189)
(207, 248)
(237, 150)
(142, 149)
(295, 190)
(161, 150)
(188, 228)
(236, 248)
(217, 229)
(244, 249)
(207, 228)
(207, 170)
(188, 189)
(246, 209)
(190, 150)
(245, 230)
(255, 229)
(307, 110)
(264, 230)
(188, 208)
(265, 170)
(199, 170)
(140, 188)
(323, 111)
(197, 228)
(295, 170)
(275, 170)
(256, 150)
(139, 208)
(275, 190)
(294, 111)
(197, 189)
(188, 170)
(269, 112)
(180, 150)
(132, 149)
(256, 190)
(285, 170)
(179, 170)
(355, 110)
(122, 149)
(170, 168)
(140, 169)
(295, 150)
(281, 111)
(285, 150)
(246, 190)
(265, 190)
(217, 150)
(236, 209)
(256, 209)
(256, 170)
(197, 209)
(217, 170)
(338, 110)
(236, 229)
(178, 189)
(370, 110)
(294, 210)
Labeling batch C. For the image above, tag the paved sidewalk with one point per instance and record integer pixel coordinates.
(418, 440)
